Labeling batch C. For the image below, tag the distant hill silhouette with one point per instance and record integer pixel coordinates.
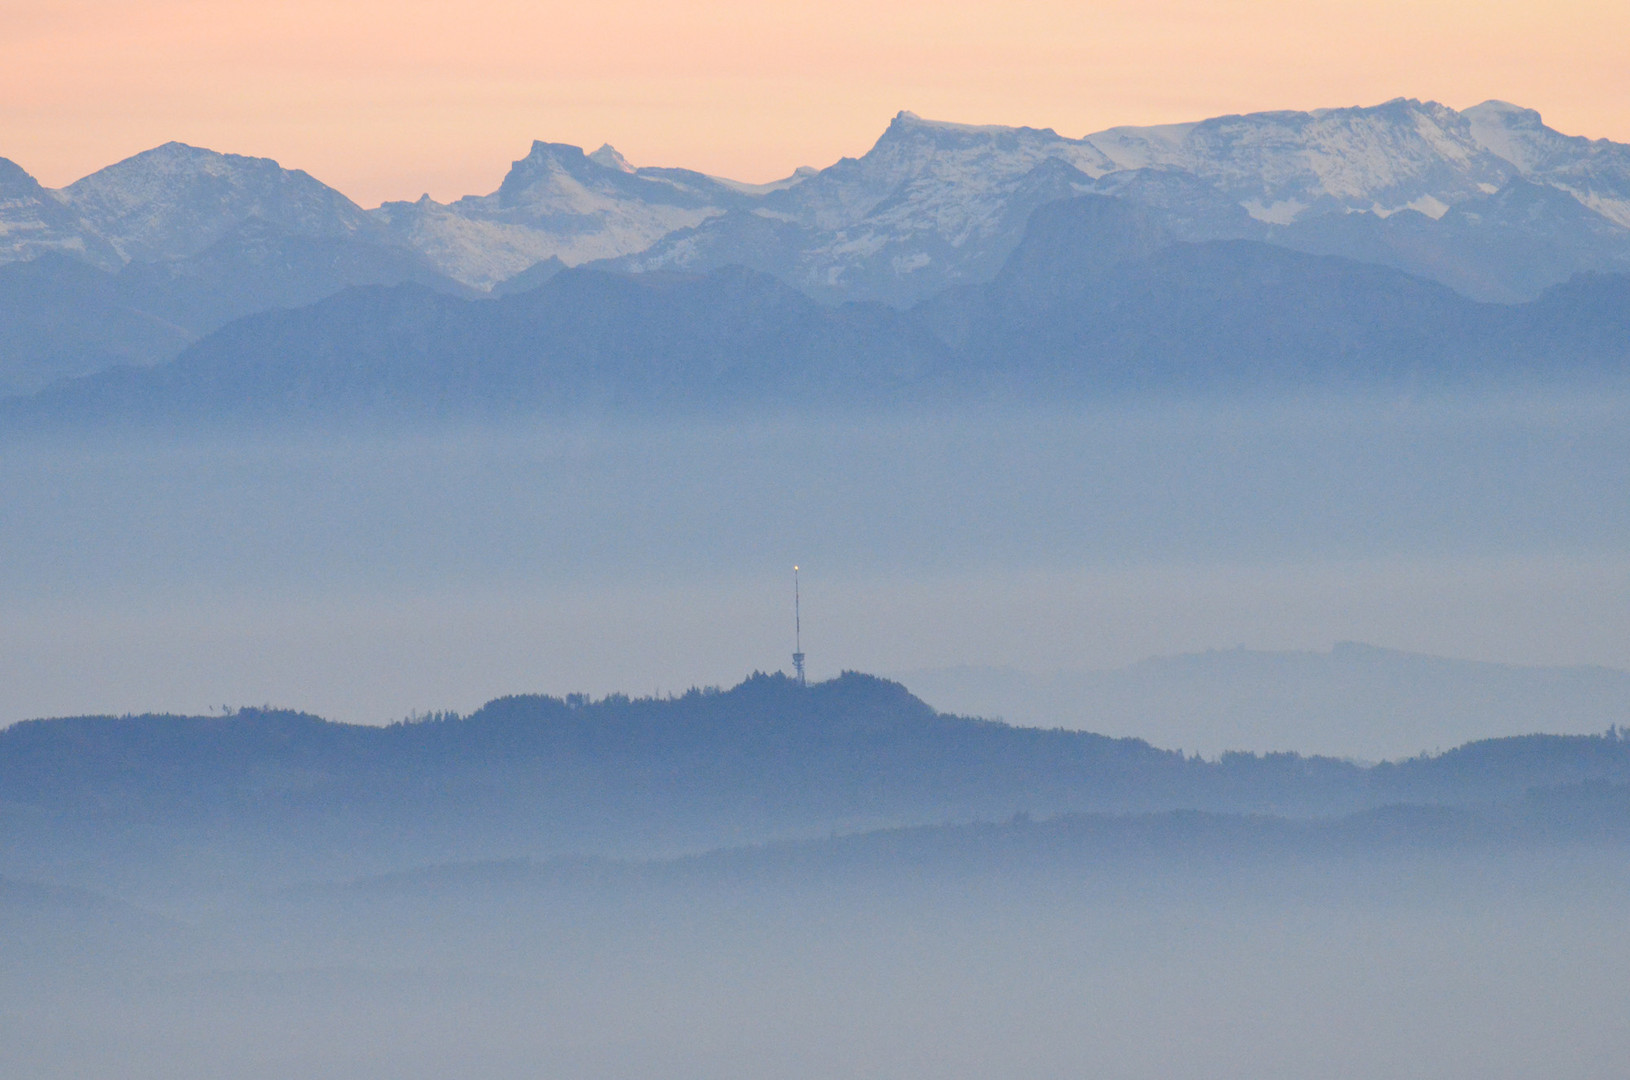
(539, 776)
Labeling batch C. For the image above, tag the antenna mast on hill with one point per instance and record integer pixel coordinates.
(797, 633)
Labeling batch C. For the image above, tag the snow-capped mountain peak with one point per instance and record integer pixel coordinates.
(934, 174)
(547, 166)
(1508, 131)
(907, 121)
(176, 200)
(1594, 171)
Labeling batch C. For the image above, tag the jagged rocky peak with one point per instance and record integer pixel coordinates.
(542, 160)
(556, 202)
(608, 157)
(562, 177)
(176, 200)
(556, 168)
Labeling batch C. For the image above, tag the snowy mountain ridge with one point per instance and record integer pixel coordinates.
(934, 204)
(948, 199)
(930, 204)
(1281, 166)
(1594, 171)
(557, 202)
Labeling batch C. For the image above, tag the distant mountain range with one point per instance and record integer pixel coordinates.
(131, 264)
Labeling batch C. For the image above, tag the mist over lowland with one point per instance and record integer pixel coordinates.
(598, 885)
(1214, 555)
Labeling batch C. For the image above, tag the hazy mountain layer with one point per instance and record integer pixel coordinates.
(1097, 301)
(1092, 300)
(62, 318)
(584, 341)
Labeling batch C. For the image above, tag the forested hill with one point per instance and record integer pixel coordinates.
(540, 776)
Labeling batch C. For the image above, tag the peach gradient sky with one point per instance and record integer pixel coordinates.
(386, 100)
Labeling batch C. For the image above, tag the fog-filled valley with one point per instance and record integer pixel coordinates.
(1399, 964)
(1206, 544)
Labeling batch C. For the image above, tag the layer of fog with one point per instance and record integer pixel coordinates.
(367, 576)
(1485, 968)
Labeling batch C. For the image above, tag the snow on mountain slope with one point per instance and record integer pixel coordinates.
(924, 175)
(557, 202)
(1594, 171)
(932, 186)
(936, 204)
(129, 264)
(1282, 166)
(176, 200)
(930, 204)
(933, 204)
(33, 221)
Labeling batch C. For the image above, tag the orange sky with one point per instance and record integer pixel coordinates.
(390, 99)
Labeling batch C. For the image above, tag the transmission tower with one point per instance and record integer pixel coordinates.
(797, 633)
